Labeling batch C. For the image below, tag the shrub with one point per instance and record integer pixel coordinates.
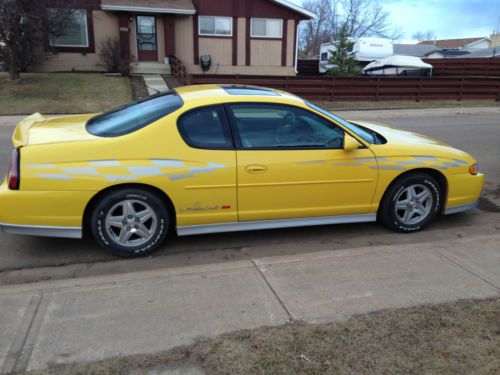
(110, 57)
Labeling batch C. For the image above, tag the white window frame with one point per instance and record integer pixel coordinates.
(230, 35)
(265, 36)
(52, 44)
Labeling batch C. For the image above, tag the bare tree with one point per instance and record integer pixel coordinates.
(25, 27)
(424, 35)
(359, 17)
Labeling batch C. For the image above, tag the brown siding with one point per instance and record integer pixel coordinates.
(242, 27)
(169, 35)
(184, 39)
(105, 26)
(290, 45)
(219, 48)
(265, 52)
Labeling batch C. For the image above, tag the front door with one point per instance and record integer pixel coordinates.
(291, 164)
(147, 44)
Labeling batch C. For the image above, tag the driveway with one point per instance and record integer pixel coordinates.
(477, 131)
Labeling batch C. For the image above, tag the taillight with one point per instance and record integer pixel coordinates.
(14, 175)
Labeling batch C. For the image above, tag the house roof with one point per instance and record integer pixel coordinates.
(148, 6)
(417, 50)
(296, 8)
(179, 6)
(453, 43)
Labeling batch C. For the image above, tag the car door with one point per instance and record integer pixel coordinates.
(204, 183)
(291, 164)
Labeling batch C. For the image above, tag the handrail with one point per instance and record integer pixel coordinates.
(179, 71)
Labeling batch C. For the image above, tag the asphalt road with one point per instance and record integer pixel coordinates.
(26, 259)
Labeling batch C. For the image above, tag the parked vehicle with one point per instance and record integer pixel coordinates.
(364, 49)
(399, 66)
(223, 158)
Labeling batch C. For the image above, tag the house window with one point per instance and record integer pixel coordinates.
(266, 28)
(76, 32)
(215, 26)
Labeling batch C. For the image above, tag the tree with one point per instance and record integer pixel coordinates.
(424, 35)
(344, 63)
(25, 27)
(360, 17)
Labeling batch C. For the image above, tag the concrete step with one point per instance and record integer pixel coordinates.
(150, 68)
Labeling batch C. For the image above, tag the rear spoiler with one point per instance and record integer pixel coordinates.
(20, 137)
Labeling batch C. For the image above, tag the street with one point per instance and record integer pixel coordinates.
(477, 131)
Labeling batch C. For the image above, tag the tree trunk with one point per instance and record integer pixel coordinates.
(14, 75)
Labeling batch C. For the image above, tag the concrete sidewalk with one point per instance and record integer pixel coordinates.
(95, 318)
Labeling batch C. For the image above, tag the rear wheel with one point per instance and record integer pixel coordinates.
(410, 203)
(130, 222)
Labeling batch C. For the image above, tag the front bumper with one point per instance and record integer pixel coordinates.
(464, 191)
(462, 208)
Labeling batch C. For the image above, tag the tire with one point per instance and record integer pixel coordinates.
(130, 222)
(406, 195)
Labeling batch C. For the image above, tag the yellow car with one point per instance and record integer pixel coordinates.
(223, 158)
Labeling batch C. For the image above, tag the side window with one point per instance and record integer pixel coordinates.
(262, 126)
(206, 128)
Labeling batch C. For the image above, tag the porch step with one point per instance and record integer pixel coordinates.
(150, 68)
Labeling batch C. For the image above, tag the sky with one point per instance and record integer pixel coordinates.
(448, 19)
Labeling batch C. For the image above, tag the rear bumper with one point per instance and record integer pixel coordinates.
(43, 231)
(43, 213)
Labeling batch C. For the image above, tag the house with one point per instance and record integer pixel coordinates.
(241, 36)
(422, 51)
(467, 44)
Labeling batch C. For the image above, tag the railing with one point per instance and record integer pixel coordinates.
(466, 67)
(450, 67)
(179, 71)
(367, 88)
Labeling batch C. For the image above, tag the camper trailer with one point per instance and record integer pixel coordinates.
(364, 49)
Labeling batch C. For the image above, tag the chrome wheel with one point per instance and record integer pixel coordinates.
(413, 204)
(131, 223)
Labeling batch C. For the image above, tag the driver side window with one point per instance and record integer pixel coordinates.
(274, 126)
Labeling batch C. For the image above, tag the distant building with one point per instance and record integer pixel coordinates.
(484, 53)
(466, 44)
(417, 50)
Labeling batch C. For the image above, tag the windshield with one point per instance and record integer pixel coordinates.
(134, 116)
(355, 129)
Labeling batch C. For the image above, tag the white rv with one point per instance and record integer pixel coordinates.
(364, 49)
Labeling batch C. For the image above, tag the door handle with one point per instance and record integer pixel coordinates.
(256, 168)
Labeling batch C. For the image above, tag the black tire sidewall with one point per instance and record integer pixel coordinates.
(388, 214)
(107, 202)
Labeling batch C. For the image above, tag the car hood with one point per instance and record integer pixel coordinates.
(400, 137)
(38, 129)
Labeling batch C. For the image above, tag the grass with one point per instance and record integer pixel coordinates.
(60, 93)
(453, 338)
(405, 104)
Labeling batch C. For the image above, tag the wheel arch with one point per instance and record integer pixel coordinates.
(152, 189)
(437, 175)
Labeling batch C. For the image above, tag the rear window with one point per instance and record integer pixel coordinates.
(249, 90)
(133, 116)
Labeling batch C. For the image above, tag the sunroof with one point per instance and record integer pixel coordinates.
(248, 90)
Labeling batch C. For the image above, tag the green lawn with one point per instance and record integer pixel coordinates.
(60, 93)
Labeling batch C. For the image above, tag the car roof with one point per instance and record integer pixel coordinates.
(224, 93)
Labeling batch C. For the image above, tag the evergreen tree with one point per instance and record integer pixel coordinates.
(345, 65)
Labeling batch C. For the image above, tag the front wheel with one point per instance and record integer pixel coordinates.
(130, 222)
(410, 203)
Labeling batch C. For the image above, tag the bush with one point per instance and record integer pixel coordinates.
(110, 57)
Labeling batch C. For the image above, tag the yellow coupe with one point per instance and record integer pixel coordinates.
(223, 158)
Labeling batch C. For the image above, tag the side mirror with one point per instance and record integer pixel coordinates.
(350, 144)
